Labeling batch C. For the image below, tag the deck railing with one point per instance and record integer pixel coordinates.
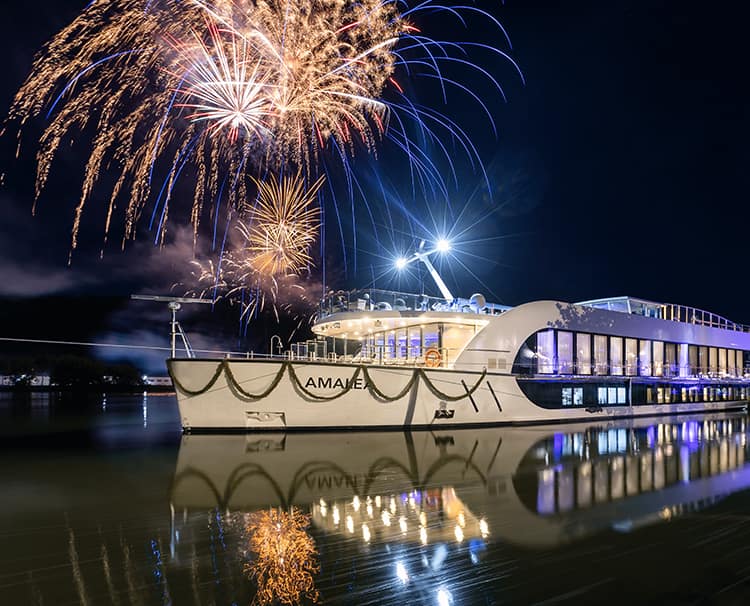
(375, 299)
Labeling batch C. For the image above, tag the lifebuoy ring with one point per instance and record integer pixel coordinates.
(432, 358)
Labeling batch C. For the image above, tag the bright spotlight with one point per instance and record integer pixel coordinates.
(443, 245)
(444, 597)
(401, 573)
(401, 263)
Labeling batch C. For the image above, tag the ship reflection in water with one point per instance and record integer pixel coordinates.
(640, 511)
(442, 517)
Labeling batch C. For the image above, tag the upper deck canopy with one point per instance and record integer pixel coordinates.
(664, 311)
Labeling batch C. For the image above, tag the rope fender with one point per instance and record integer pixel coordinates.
(417, 374)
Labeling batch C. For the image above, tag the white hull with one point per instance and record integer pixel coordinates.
(224, 395)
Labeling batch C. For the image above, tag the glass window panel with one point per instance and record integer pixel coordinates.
(565, 352)
(683, 365)
(645, 358)
(670, 359)
(615, 355)
(401, 343)
(722, 362)
(545, 500)
(693, 360)
(583, 353)
(703, 360)
(545, 351)
(731, 359)
(740, 367)
(578, 396)
(658, 358)
(612, 395)
(602, 395)
(621, 396)
(415, 342)
(600, 354)
(631, 357)
(567, 396)
(713, 361)
(390, 345)
(430, 337)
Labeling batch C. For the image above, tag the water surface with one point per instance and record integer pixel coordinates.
(105, 502)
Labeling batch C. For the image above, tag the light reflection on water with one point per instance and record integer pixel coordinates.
(105, 503)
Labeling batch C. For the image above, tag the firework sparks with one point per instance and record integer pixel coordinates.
(232, 88)
(282, 226)
(284, 556)
(276, 233)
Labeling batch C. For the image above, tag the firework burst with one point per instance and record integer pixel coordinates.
(234, 88)
(282, 226)
(276, 232)
(284, 556)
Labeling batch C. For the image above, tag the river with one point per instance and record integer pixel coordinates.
(105, 502)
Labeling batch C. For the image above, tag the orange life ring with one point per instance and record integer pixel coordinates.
(432, 358)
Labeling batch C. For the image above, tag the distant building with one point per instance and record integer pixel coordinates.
(157, 381)
(27, 380)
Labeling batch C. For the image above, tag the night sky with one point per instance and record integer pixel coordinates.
(619, 168)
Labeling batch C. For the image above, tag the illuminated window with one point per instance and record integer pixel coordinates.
(567, 396)
(693, 361)
(578, 396)
(565, 352)
(615, 355)
(601, 395)
(545, 351)
(731, 359)
(740, 364)
(415, 342)
(583, 354)
(390, 345)
(713, 361)
(379, 350)
(658, 358)
(430, 337)
(703, 360)
(612, 395)
(722, 362)
(621, 395)
(645, 356)
(401, 343)
(683, 363)
(670, 359)
(600, 355)
(631, 357)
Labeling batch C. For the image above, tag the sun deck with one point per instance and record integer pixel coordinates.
(664, 311)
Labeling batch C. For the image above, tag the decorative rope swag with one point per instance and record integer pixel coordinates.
(286, 366)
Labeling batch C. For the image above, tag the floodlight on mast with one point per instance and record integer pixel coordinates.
(442, 246)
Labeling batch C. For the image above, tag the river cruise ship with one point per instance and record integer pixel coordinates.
(395, 360)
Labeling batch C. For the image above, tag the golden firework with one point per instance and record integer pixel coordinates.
(284, 556)
(159, 80)
(282, 225)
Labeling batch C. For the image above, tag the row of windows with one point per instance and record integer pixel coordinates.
(410, 344)
(561, 489)
(565, 352)
(550, 394)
